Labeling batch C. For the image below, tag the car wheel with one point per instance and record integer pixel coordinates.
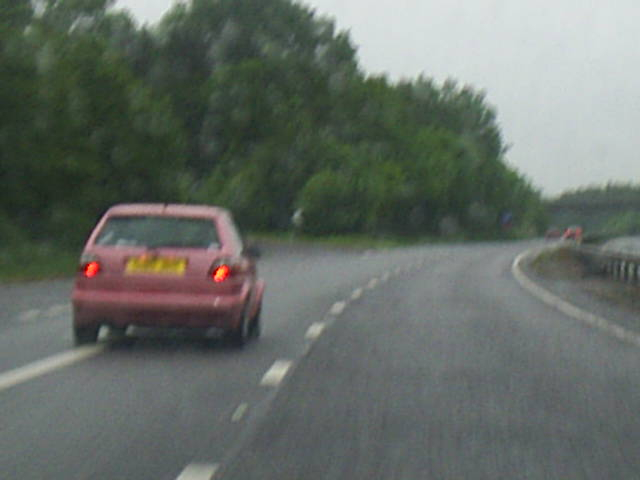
(85, 335)
(256, 325)
(239, 336)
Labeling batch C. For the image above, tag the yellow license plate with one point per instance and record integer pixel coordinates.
(159, 265)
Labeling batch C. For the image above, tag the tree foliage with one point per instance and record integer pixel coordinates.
(257, 105)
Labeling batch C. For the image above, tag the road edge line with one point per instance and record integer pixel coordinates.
(567, 308)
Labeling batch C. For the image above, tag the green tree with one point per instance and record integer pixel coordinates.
(74, 15)
(15, 15)
(96, 129)
(257, 105)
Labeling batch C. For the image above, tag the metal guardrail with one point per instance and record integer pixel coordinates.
(620, 266)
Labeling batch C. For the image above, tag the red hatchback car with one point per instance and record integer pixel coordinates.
(165, 265)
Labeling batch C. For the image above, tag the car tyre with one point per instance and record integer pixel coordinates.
(238, 337)
(85, 335)
(256, 325)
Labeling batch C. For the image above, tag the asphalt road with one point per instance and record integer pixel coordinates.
(421, 363)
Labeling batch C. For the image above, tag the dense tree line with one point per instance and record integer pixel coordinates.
(614, 196)
(260, 106)
(609, 211)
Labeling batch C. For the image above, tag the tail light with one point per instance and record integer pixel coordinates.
(90, 265)
(225, 268)
(220, 273)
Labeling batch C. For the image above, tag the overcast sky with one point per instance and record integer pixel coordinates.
(562, 74)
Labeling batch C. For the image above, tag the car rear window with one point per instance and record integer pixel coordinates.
(158, 231)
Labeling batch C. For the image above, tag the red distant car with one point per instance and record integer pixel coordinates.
(164, 265)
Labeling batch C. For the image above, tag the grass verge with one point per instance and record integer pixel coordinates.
(562, 264)
(36, 262)
(559, 263)
(345, 241)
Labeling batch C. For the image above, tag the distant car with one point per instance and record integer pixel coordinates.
(553, 233)
(165, 265)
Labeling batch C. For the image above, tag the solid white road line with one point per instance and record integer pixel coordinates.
(47, 365)
(314, 331)
(337, 308)
(356, 294)
(569, 309)
(276, 373)
(239, 413)
(198, 471)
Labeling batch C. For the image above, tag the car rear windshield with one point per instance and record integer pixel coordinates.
(159, 231)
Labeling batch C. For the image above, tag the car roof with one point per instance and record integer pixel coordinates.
(167, 209)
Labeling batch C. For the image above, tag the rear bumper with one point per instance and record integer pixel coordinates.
(184, 310)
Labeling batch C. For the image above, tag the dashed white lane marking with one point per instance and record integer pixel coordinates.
(385, 277)
(198, 471)
(29, 315)
(276, 373)
(53, 311)
(397, 271)
(372, 283)
(337, 308)
(356, 294)
(569, 309)
(47, 365)
(58, 310)
(239, 412)
(314, 331)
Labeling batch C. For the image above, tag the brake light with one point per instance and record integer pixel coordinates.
(91, 269)
(221, 273)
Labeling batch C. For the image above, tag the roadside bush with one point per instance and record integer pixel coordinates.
(330, 204)
(627, 223)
